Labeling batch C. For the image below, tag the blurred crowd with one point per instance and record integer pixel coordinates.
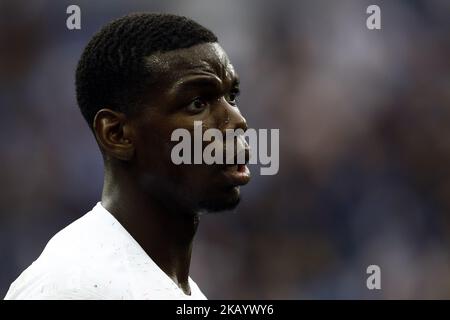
(364, 119)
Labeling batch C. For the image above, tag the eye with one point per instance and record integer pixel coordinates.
(232, 96)
(197, 106)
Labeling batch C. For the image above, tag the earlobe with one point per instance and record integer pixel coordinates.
(113, 135)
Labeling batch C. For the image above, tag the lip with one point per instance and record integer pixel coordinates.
(237, 175)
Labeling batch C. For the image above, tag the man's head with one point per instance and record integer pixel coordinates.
(140, 78)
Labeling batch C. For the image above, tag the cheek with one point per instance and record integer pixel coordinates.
(152, 148)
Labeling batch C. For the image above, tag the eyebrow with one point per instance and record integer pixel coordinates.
(196, 82)
(201, 81)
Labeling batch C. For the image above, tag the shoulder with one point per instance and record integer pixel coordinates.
(79, 262)
(71, 283)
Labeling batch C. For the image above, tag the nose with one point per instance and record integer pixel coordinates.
(234, 119)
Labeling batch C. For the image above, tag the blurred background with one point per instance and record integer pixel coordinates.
(364, 119)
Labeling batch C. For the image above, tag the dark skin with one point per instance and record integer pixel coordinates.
(156, 201)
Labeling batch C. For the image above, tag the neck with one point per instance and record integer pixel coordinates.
(165, 233)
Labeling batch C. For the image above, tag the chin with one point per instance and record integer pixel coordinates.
(228, 200)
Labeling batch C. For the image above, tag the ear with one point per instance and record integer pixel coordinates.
(114, 134)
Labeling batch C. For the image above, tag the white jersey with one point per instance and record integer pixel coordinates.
(96, 258)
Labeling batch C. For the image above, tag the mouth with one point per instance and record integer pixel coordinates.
(237, 175)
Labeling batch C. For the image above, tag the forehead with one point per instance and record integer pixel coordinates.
(208, 58)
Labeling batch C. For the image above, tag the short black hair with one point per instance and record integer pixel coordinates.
(112, 71)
